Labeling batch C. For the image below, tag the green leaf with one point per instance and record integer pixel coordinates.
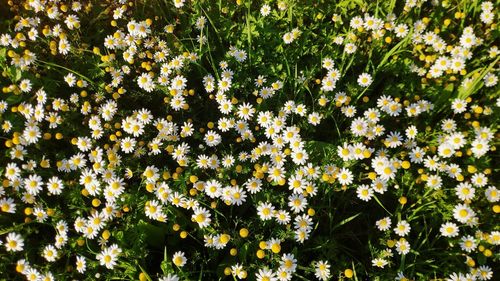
(14, 73)
(463, 93)
(155, 236)
(3, 53)
(341, 223)
(145, 273)
(14, 99)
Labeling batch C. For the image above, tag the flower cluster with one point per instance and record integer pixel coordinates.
(172, 140)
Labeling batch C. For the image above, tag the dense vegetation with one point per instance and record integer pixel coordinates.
(259, 140)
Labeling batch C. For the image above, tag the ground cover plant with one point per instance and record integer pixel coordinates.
(249, 140)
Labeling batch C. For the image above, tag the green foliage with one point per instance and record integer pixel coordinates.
(130, 120)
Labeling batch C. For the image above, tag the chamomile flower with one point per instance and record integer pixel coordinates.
(350, 48)
(314, 118)
(356, 22)
(245, 111)
(25, 85)
(487, 17)
(365, 79)
(465, 191)
(225, 105)
(179, 3)
(108, 256)
(479, 180)
(301, 235)
(411, 132)
(449, 229)
(265, 210)
(345, 176)
(32, 134)
(237, 196)
(349, 111)
(402, 228)
(81, 264)
(297, 203)
(33, 184)
(359, 127)
(265, 274)
(364, 192)
(379, 262)
(151, 174)
(50, 253)
(456, 140)
(152, 209)
(7, 205)
(393, 139)
(299, 156)
(55, 186)
(145, 82)
(328, 63)
(169, 277)
(32, 274)
(459, 105)
(431, 163)
(484, 272)
(64, 46)
(276, 173)
(322, 270)
(265, 10)
(401, 30)
(179, 259)
(492, 194)
(128, 144)
(402, 246)
(434, 181)
(384, 224)
(212, 138)
(283, 275)
(288, 263)
(213, 188)
(12, 171)
(468, 243)
(201, 216)
(14, 242)
(463, 213)
(253, 185)
(479, 147)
